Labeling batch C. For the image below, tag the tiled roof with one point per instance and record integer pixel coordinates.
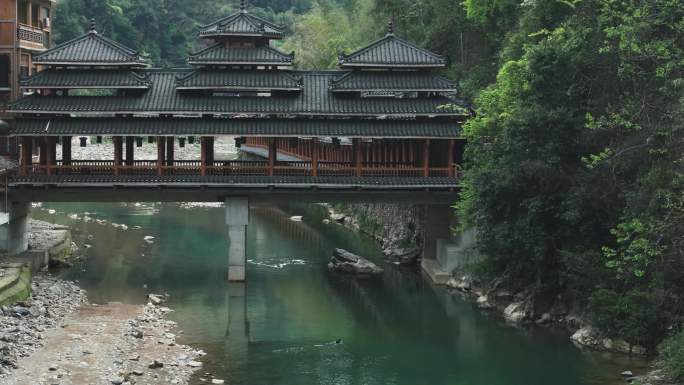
(97, 78)
(249, 127)
(391, 81)
(242, 24)
(238, 80)
(218, 54)
(229, 181)
(89, 50)
(391, 51)
(162, 98)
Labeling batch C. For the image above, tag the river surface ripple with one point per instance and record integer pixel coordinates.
(281, 326)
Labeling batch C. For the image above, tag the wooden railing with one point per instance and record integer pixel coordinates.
(31, 34)
(237, 168)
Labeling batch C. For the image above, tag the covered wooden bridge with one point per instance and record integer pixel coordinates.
(384, 120)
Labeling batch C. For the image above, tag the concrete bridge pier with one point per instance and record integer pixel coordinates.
(237, 219)
(237, 330)
(439, 221)
(14, 227)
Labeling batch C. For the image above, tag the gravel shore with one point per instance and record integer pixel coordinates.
(58, 338)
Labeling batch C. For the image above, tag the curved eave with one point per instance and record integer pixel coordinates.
(231, 63)
(72, 87)
(180, 113)
(272, 35)
(230, 88)
(343, 90)
(390, 65)
(92, 64)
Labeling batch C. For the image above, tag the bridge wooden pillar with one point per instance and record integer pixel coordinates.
(118, 152)
(49, 154)
(130, 150)
(170, 142)
(26, 154)
(66, 151)
(450, 158)
(313, 148)
(203, 156)
(210, 150)
(272, 153)
(358, 156)
(42, 156)
(426, 157)
(161, 145)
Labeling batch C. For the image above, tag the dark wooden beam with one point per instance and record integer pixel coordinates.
(272, 153)
(66, 150)
(426, 157)
(130, 150)
(450, 158)
(203, 156)
(161, 145)
(118, 152)
(358, 155)
(170, 144)
(313, 147)
(26, 154)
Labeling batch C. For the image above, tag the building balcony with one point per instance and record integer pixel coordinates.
(33, 38)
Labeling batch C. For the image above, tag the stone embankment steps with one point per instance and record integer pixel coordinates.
(47, 242)
(15, 282)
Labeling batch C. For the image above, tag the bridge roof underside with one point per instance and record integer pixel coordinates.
(248, 127)
(314, 99)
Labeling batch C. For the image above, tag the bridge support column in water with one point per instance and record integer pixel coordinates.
(14, 226)
(237, 218)
(439, 220)
(237, 331)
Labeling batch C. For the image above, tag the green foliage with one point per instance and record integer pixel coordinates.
(574, 160)
(672, 356)
(636, 316)
(328, 29)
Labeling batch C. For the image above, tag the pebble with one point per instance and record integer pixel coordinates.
(217, 381)
(116, 380)
(156, 365)
(21, 325)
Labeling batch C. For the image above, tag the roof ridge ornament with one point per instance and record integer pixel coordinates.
(390, 28)
(243, 7)
(92, 27)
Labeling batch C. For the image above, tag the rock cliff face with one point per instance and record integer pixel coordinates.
(396, 227)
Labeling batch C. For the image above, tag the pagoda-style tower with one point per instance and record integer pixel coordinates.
(392, 67)
(89, 65)
(239, 60)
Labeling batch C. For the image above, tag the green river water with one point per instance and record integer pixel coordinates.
(397, 329)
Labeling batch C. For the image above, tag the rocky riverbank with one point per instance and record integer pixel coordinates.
(397, 228)
(528, 307)
(56, 337)
(24, 324)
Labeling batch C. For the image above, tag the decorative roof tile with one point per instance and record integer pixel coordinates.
(250, 127)
(314, 99)
(91, 49)
(391, 52)
(98, 78)
(239, 181)
(242, 24)
(219, 54)
(238, 80)
(391, 81)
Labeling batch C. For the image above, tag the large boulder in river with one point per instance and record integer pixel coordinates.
(347, 262)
